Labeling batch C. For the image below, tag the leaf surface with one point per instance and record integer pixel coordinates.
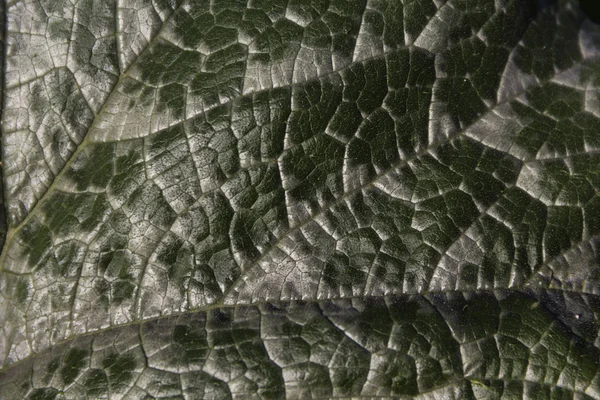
(300, 199)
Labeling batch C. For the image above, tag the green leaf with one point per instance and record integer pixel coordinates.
(300, 199)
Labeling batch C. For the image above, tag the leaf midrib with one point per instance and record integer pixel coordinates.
(214, 306)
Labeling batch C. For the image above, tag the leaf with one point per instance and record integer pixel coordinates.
(300, 199)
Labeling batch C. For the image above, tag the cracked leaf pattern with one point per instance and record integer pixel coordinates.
(301, 199)
(451, 346)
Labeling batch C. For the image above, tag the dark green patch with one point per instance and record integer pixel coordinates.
(96, 382)
(375, 88)
(378, 134)
(533, 55)
(314, 104)
(172, 97)
(37, 239)
(65, 255)
(193, 343)
(102, 287)
(266, 374)
(67, 212)
(22, 290)
(53, 365)
(313, 169)
(399, 374)
(445, 218)
(74, 361)
(169, 255)
(128, 168)
(373, 326)
(43, 394)
(351, 374)
(150, 200)
(122, 290)
(165, 63)
(94, 167)
(339, 272)
(565, 228)
(114, 264)
(120, 369)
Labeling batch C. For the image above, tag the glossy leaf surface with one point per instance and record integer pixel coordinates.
(301, 199)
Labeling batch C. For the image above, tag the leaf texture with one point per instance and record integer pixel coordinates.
(476, 345)
(370, 198)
